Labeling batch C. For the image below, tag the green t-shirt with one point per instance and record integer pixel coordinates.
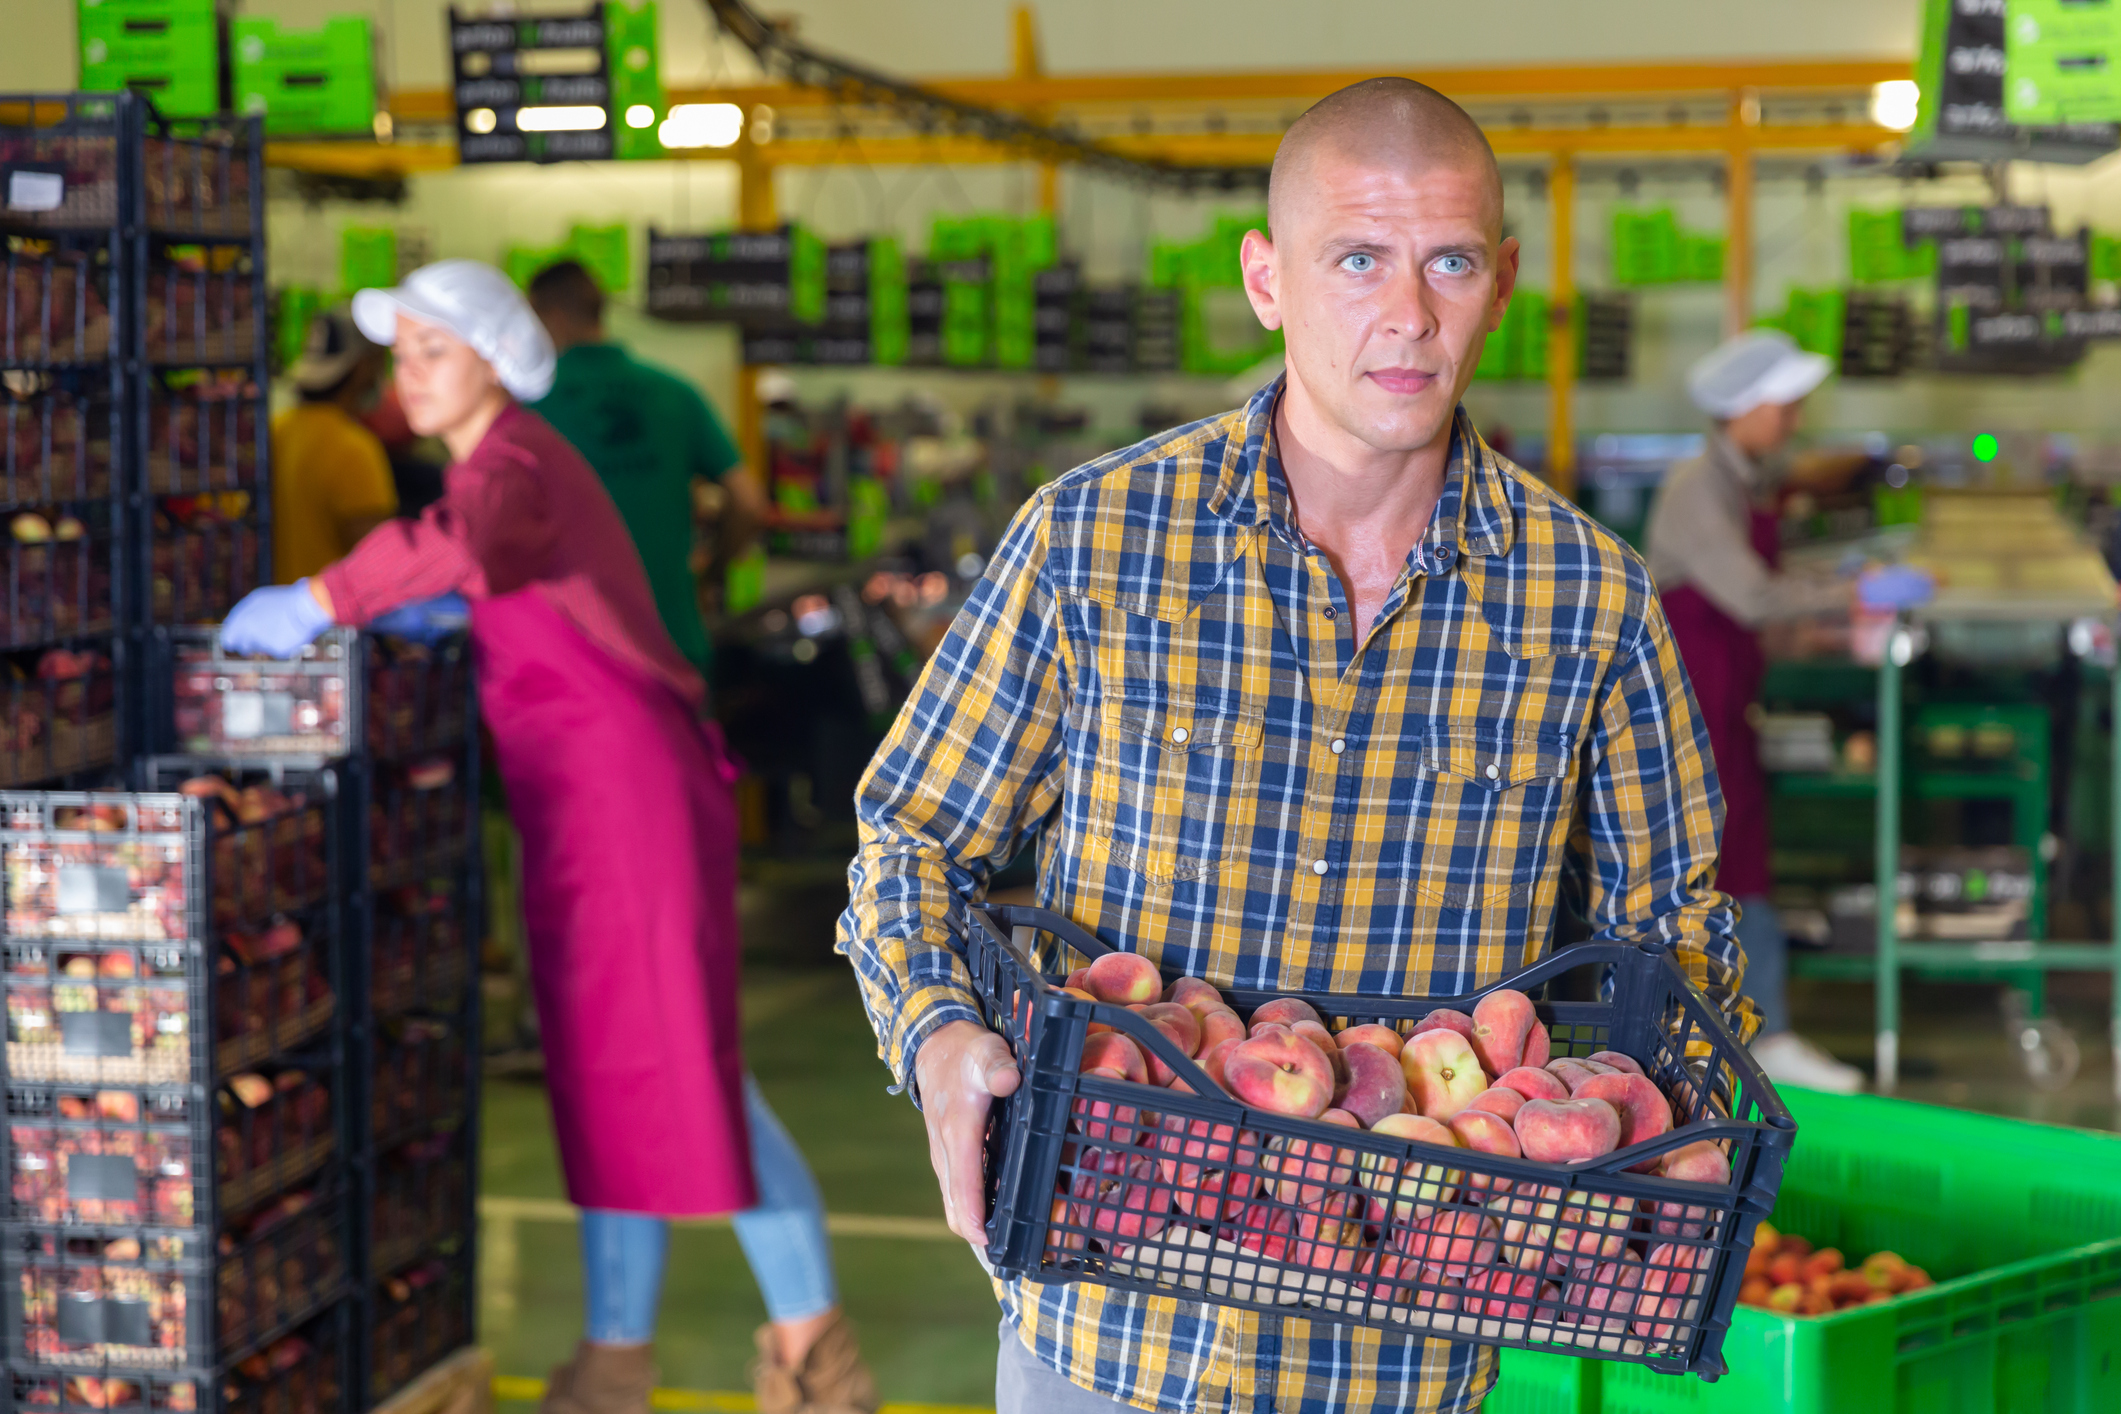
(647, 434)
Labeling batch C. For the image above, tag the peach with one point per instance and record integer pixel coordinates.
(1282, 1072)
(1533, 1084)
(1217, 1027)
(1445, 1018)
(1109, 1050)
(1452, 1243)
(1329, 1048)
(1214, 1061)
(1216, 1194)
(1180, 1025)
(1375, 1087)
(1488, 1134)
(1267, 1229)
(1125, 978)
(1303, 1165)
(1062, 1216)
(1131, 1203)
(1498, 1100)
(1701, 1162)
(1538, 1047)
(1078, 980)
(1507, 1293)
(1103, 1120)
(1195, 996)
(1616, 1060)
(1288, 1011)
(1570, 1072)
(1443, 1074)
(1607, 1297)
(1261, 1028)
(1597, 1067)
(1644, 1112)
(1672, 1283)
(1329, 1235)
(1413, 1187)
(1547, 1225)
(1501, 1021)
(1397, 1274)
(1375, 1035)
(1567, 1131)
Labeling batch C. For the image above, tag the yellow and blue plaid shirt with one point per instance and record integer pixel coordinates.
(1158, 681)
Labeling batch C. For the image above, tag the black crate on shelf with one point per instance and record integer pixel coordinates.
(420, 1315)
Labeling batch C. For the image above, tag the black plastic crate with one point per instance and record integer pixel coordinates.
(418, 1086)
(58, 714)
(421, 818)
(59, 430)
(419, 1316)
(422, 1203)
(419, 954)
(202, 307)
(68, 145)
(57, 575)
(204, 554)
(206, 431)
(200, 180)
(303, 1372)
(55, 307)
(1199, 1197)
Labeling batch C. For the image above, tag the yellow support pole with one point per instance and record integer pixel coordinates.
(1738, 215)
(756, 211)
(1561, 342)
(1027, 67)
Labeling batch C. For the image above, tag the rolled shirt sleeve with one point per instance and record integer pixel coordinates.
(963, 781)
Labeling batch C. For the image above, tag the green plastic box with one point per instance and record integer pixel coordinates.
(319, 80)
(2020, 1224)
(168, 49)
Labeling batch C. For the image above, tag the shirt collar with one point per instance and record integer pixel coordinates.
(1473, 513)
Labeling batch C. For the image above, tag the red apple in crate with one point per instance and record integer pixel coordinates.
(1567, 1131)
(1443, 1018)
(1701, 1162)
(1303, 1165)
(1383, 1037)
(1124, 978)
(1287, 1011)
(1615, 1060)
(1376, 1086)
(1673, 1282)
(1195, 996)
(1644, 1112)
(1497, 1100)
(1217, 1027)
(1443, 1074)
(1485, 1133)
(1501, 1022)
(1415, 1186)
(1111, 1051)
(1282, 1072)
(1533, 1084)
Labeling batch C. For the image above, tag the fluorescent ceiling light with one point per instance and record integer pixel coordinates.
(560, 118)
(1894, 104)
(640, 115)
(702, 125)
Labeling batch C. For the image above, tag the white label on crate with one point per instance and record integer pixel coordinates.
(35, 191)
(92, 888)
(246, 716)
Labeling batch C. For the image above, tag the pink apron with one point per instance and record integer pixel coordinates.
(1724, 662)
(629, 834)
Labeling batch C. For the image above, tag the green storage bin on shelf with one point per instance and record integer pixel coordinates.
(167, 49)
(319, 80)
(2019, 1223)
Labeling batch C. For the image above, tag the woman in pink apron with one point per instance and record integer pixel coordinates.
(622, 798)
(1712, 549)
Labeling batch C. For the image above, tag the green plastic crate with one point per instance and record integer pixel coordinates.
(319, 80)
(2020, 1223)
(168, 49)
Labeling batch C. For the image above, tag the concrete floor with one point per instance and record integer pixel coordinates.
(924, 1309)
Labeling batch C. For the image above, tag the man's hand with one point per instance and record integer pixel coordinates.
(959, 1071)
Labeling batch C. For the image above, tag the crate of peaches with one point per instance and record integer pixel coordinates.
(1582, 1176)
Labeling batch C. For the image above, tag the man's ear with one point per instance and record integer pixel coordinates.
(1261, 272)
(1506, 257)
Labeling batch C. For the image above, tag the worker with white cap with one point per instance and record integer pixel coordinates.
(1712, 550)
(622, 796)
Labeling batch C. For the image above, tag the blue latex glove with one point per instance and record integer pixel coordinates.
(427, 621)
(276, 621)
(1896, 587)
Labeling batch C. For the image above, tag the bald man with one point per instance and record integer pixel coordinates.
(1317, 696)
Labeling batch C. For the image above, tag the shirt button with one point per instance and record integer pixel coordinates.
(1318, 866)
(1179, 734)
(1493, 770)
(1331, 613)
(1339, 745)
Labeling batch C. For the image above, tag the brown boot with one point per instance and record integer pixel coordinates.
(601, 1379)
(831, 1380)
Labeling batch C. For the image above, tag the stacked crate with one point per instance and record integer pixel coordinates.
(397, 724)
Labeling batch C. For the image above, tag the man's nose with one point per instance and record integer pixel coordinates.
(1408, 308)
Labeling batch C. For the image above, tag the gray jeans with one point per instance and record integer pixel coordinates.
(1767, 962)
(1023, 1386)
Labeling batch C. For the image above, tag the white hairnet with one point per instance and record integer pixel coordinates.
(479, 305)
(1758, 366)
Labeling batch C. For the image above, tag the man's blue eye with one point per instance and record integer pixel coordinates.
(1359, 263)
(1455, 265)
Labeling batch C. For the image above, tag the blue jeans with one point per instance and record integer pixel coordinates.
(1767, 962)
(783, 1239)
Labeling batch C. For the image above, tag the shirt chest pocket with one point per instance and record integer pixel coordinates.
(1171, 787)
(1493, 805)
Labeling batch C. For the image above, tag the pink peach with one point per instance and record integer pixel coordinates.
(1616, 1060)
(1501, 1021)
(1217, 1027)
(1533, 1084)
(1375, 1087)
(1305, 1164)
(1567, 1131)
(1282, 1072)
(1644, 1112)
(1672, 1283)
(1195, 996)
(1288, 1011)
(1113, 1051)
(1214, 1060)
(1538, 1047)
(1375, 1035)
(1445, 1018)
(1570, 1072)
(1125, 978)
(1101, 1119)
(1453, 1242)
(1701, 1162)
(1443, 1074)
(1412, 1187)
(1506, 1293)
(1498, 1100)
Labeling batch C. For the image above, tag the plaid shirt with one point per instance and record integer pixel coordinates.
(1159, 681)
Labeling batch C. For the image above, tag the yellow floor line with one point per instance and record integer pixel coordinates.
(516, 1389)
(554, 1210)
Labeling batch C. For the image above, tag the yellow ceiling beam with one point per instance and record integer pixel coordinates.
(370, 160)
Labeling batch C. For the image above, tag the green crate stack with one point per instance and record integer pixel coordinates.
(319, 80)
(168, 49)
(959, 245)
(1010, 269)
(2019, 1223)
(2060, 62)
(1520, 339)
(295, 307)
(368, 258)
(806, 274)
(1533, 312)
(1878, 253)
(1700, 259)
(606, 252)
(1816, 319)
(2106, 258)
(888, 322)
(1645, 247)
(1194, 268)
(633, 59)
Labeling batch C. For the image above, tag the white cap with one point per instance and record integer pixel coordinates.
(479, 305)
(1758, 366)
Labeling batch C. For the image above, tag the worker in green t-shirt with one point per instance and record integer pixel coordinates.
(648, 434)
